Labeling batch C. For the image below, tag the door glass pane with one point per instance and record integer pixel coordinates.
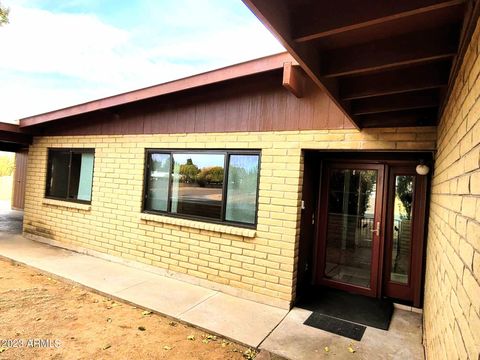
(157, 197)
(242, 189)
(197, 184)
(402, 228)
(351, 213)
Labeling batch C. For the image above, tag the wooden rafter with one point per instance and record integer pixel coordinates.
(328, 18)
(417, 117)
(429, 76)
(396, 102)
(408, 49)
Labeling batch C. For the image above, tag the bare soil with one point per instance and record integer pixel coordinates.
(45, 318)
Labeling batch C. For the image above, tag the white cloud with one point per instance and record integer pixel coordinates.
(42, 42)
(225, 47)
(51, 60)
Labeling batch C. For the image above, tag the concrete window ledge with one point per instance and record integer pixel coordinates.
(249, 233)
(67, 204)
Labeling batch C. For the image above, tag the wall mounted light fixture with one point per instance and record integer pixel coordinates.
(422, 169)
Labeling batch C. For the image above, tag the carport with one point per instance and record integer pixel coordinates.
(13, 139)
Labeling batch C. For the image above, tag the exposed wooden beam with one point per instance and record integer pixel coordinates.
(12, 147)
(404, 101)
(10, 127)
(15, 137)
(293, 79)
(328, 18)
(408, 49)
(422, 117)
(429, 76)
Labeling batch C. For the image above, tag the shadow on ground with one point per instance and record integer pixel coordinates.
(11, 221)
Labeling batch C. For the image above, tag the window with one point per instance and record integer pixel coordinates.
(219, 186)
(70, 174)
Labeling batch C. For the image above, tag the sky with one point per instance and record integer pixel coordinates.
(56, 54)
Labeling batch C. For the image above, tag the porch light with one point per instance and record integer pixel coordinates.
(422, 169)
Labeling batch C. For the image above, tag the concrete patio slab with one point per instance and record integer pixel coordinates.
(236, 318)
(294, 340)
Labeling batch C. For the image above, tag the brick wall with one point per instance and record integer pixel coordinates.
(452, 299)
(263, 265)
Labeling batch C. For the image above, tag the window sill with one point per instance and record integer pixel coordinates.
(67, 204)
(226, 229)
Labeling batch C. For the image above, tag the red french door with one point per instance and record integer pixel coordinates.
(349, 227)
(370, 228)
(404, 231)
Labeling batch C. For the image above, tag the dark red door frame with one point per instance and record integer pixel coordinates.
(381, 255)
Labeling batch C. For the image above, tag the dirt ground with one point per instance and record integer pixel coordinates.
(44, 318)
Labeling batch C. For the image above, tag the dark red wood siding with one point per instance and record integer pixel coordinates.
(254, 103)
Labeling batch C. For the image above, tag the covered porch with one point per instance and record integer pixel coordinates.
(415, 63)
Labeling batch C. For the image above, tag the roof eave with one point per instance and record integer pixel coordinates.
(251, 67)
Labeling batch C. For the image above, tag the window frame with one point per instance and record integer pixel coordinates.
(227, 153)
(70, 151)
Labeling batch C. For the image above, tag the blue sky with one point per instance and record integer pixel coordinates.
(61, 53)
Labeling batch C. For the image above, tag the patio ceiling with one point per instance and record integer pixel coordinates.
(384, 62)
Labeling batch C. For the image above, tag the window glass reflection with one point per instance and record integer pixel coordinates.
(402, 228)
(158, 182)
(197, 184)
(242, 188)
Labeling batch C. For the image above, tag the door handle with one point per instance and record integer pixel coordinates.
(377, 230)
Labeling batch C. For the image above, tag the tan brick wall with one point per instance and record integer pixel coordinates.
(264, 264)
(452, 295)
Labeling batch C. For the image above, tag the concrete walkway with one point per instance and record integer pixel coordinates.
(247, 322)
(238, 319)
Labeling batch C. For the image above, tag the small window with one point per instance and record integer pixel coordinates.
(219, 186)
(70, 174)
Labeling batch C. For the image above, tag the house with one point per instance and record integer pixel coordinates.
(352, 161)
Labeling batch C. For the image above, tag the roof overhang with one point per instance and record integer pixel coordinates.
(12, 138)
(385, 62)
(261, 65)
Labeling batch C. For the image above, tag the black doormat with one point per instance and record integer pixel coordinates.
(351, 307)
(336, 326)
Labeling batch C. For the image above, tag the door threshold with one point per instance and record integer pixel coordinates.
(407, 308)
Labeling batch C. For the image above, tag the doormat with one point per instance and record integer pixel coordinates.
(335, 326)
(355, 308)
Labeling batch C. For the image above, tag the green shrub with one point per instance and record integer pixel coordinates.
(7, 165)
